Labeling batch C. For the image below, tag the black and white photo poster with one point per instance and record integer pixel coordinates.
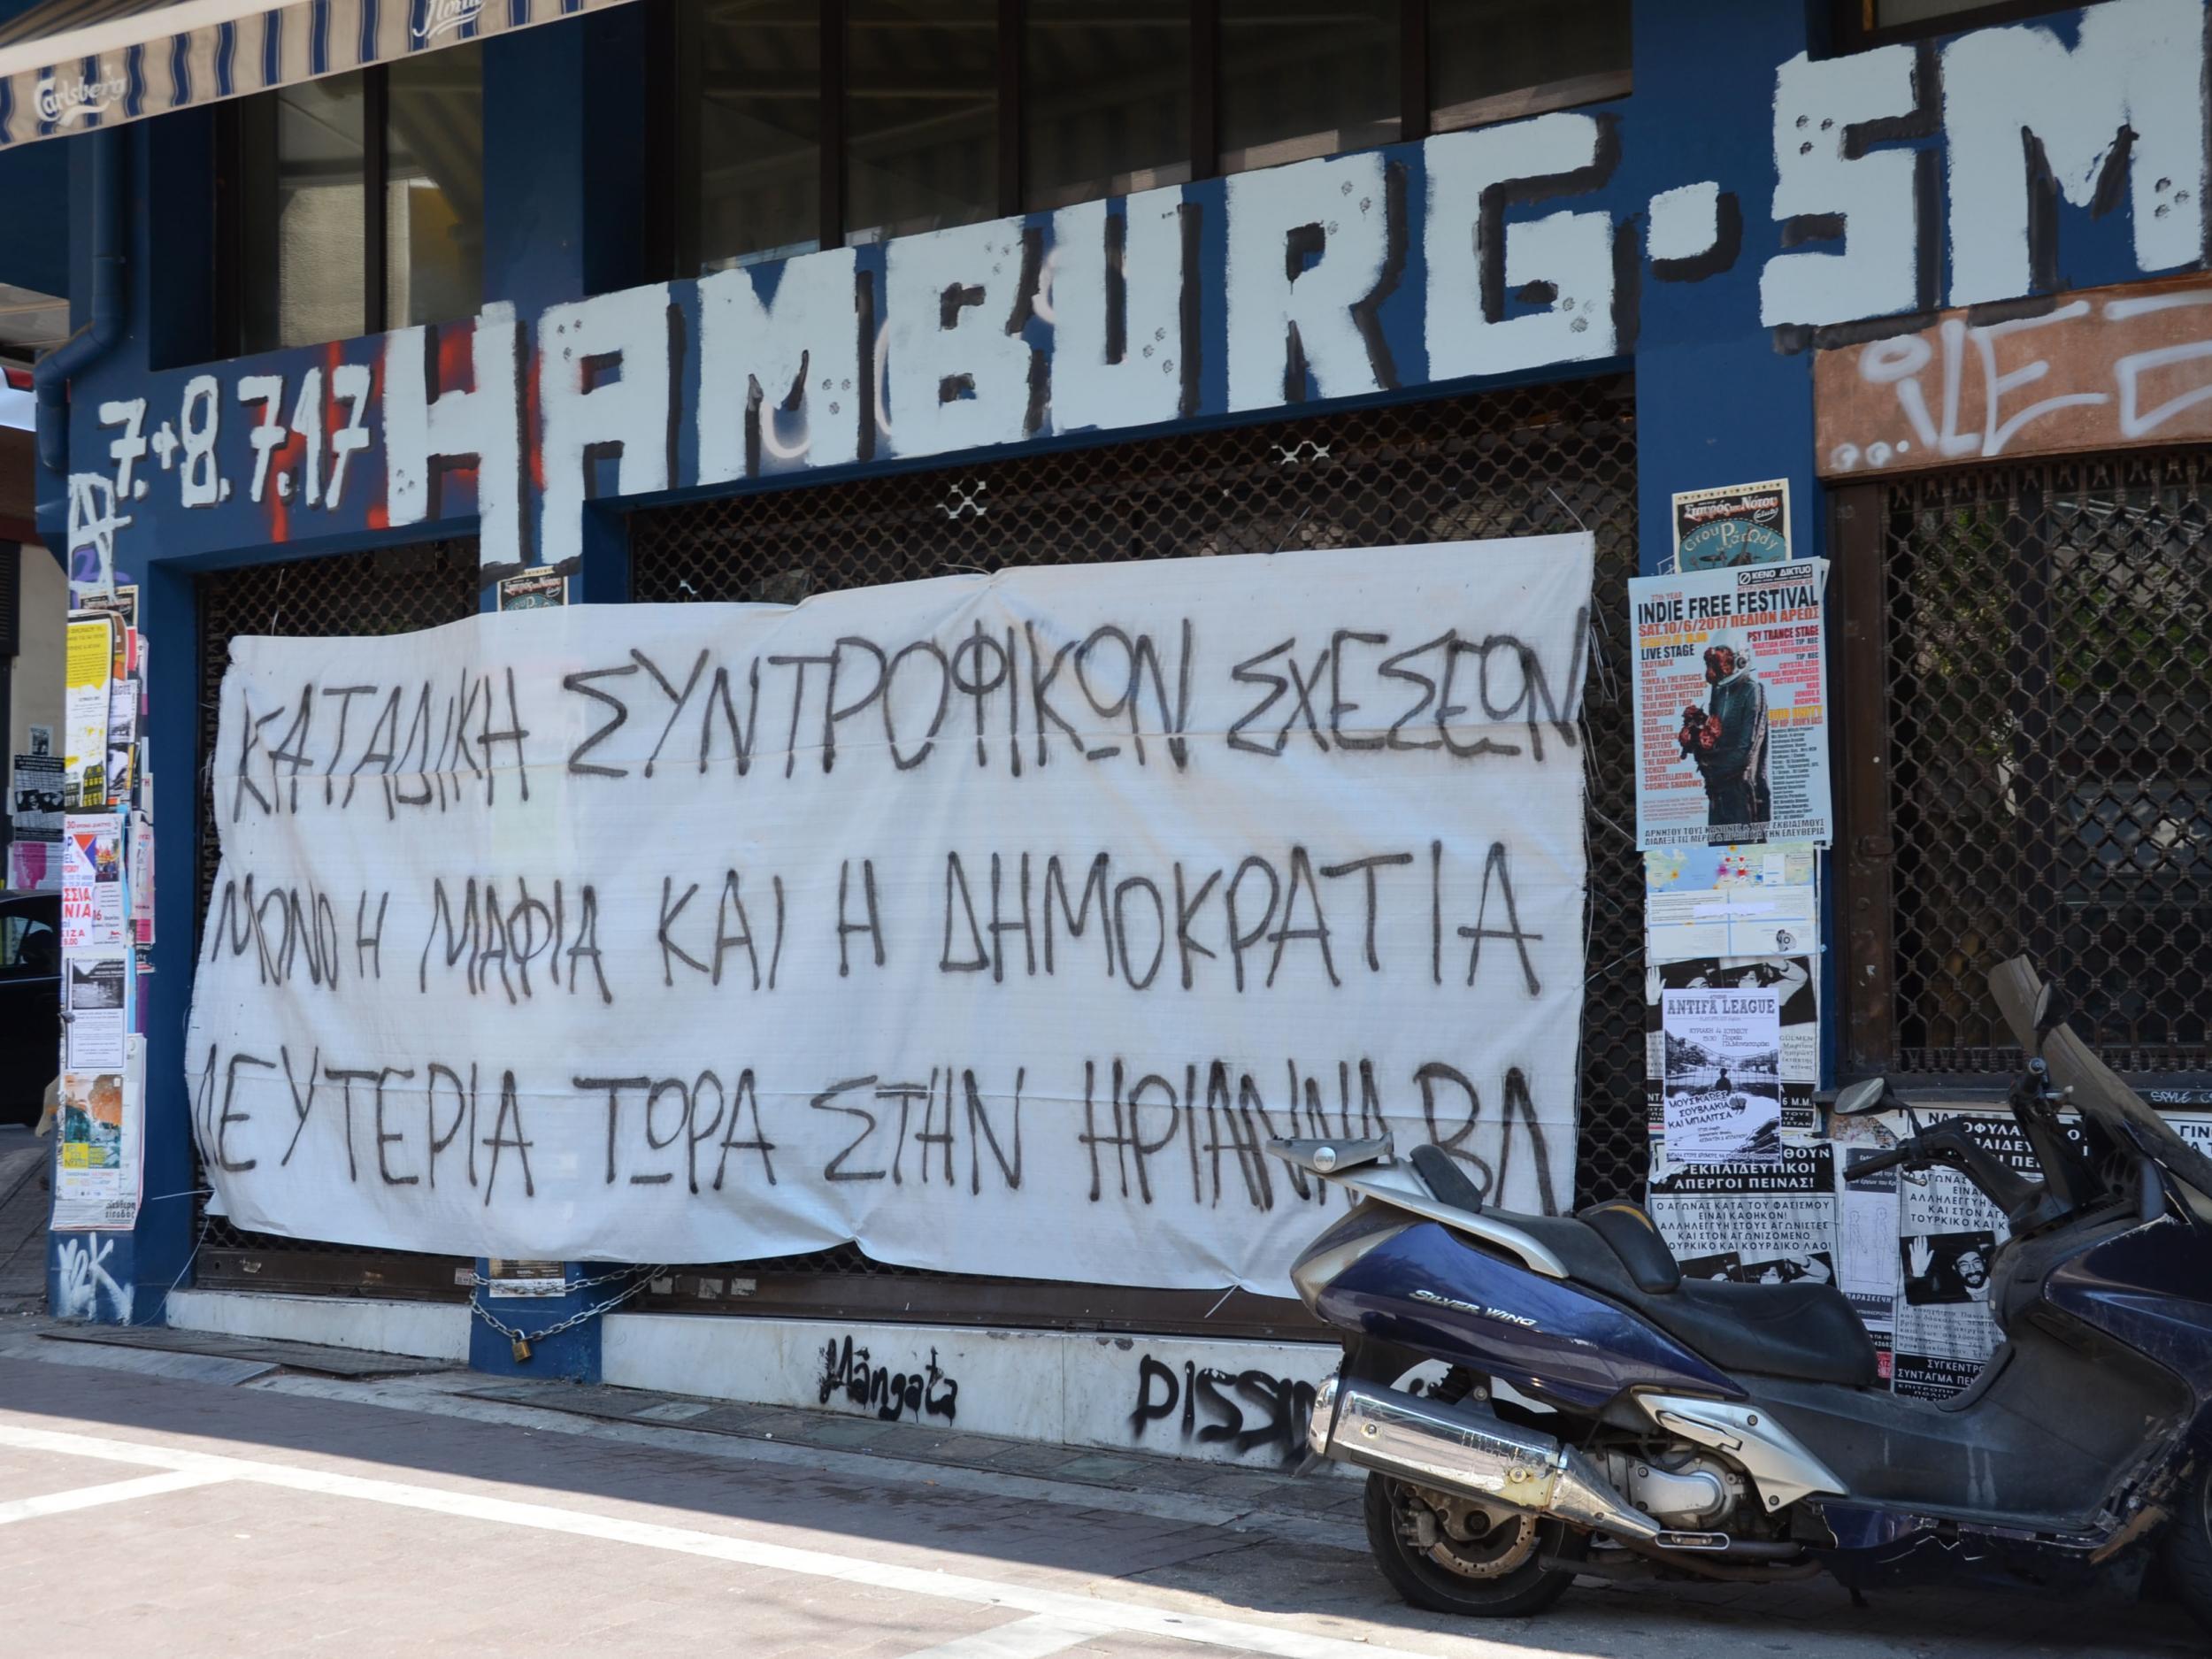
(993, 922)
(1723, 1083)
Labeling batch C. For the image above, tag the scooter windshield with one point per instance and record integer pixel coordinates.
(2098, 1092)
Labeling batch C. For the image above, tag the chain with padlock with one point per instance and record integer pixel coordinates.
(522, 1341)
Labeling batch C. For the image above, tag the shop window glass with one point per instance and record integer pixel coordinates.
(304, 152)
(434, 188)
(1105, 99)
(1304, 78)
(921, 115)
(750, 104)
(302, 238)
(1492, 60)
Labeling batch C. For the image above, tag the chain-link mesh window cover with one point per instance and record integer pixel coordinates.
(391, 590)
(2049, 729)
(1535, 461)
(1521, 463)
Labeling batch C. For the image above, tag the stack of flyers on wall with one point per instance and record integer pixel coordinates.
(1732, 717)
(126, 692)
(99, 1160)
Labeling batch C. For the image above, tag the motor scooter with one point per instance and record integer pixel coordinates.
(1599, 1415)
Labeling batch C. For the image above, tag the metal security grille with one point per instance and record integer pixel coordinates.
(1527, 461)
(2047, 719)
(391, 590)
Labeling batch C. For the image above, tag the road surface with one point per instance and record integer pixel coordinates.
(287, 1513)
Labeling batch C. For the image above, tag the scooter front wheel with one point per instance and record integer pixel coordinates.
(2189, 1548)
(1451, 1557)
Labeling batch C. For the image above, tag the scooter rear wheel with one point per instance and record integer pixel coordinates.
(1496, 1575)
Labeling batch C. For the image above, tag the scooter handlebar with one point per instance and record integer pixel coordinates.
(1903, 1153)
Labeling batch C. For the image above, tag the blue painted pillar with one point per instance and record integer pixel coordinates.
(1717, 400)
(169, 617)
(170, 195)
(565, 216)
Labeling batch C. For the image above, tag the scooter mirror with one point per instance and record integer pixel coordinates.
(1856, 1100)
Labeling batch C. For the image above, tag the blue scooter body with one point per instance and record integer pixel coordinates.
(2147, 1290)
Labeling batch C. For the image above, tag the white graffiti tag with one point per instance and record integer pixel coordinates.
(82, 1275)
(93, 522)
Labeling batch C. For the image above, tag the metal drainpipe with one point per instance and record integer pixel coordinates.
(51, 378)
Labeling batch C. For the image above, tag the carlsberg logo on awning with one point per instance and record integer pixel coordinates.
(62, 102)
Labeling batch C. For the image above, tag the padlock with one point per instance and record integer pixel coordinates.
(522, 1349)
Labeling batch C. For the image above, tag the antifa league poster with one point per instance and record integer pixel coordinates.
(996, 923)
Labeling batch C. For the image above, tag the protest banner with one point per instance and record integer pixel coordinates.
(995, 923)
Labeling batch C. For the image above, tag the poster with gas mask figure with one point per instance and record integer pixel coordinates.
(1731, 715)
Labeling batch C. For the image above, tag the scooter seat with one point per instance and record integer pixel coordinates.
(1805, 1330)
(1802, 1330)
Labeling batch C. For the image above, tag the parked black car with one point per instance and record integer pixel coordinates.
(30, 1002)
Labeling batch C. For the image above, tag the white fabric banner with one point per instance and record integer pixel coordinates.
(995, 923)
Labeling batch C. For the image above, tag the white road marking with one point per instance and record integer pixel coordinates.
(114, 1492)
(1069, 1611)
(1037, 1637)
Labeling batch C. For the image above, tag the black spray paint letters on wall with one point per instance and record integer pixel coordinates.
(849, 1374)
(1247, 1411)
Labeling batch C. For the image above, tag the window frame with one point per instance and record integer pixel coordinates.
(234, 224)
(1417, 115)
(1856, 31)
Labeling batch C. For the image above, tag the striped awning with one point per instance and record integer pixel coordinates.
(70, 65)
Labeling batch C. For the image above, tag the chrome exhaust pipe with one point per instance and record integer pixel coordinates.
(1472, 1453)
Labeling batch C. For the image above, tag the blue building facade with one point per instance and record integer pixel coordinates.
(927, 334)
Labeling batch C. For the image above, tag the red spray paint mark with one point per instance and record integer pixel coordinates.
(532, 436)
